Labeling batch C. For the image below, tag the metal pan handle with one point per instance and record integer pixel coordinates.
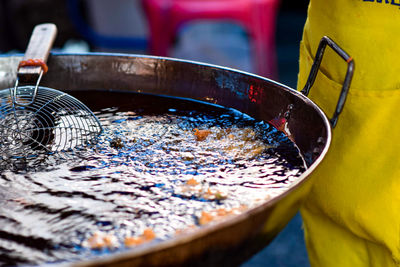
(347, 80)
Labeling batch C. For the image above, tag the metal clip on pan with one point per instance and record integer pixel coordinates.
(314, 71)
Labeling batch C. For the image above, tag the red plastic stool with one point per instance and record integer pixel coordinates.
(257, 17)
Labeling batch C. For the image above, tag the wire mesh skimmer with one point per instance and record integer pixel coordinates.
(36, 119)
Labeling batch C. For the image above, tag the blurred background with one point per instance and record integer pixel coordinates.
(138, 26)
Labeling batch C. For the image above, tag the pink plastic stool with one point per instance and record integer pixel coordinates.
(257, 17)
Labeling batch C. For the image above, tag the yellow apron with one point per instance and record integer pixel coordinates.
(352, 215)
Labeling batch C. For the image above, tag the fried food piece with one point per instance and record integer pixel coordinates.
(192, 181)
(95, 241)
(219, 214)
(201, 135)
(148, 235)
(110, 241)
(215, 194)
(205, 218)
(131, 241)
(101, 240)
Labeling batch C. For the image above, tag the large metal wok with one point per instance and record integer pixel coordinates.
(232, 241)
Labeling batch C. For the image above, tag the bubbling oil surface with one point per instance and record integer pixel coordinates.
(148, 171)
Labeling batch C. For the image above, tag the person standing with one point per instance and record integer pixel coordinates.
(352, 214)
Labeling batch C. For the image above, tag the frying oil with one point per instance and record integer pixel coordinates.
(162, 167)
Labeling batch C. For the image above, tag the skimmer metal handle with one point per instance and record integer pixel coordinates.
(39, 47)
(347, 80)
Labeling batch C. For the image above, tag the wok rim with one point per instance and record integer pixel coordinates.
(213, 227)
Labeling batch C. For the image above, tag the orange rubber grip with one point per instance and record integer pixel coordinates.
(34, 63)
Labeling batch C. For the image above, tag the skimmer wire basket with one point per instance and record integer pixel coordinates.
(36, 119)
